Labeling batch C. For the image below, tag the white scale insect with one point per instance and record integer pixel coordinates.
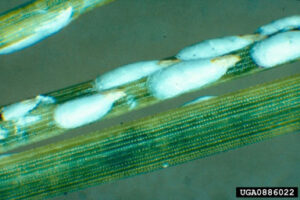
(284, 24)
(129, 73)
(56, 22)
(276, 50)
(85, 110)
(217, 47)
(188, 75)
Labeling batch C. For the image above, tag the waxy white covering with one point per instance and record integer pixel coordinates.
(84, 110)
(276, 50)
(188, 75)
(216, 47)
(284, 24)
